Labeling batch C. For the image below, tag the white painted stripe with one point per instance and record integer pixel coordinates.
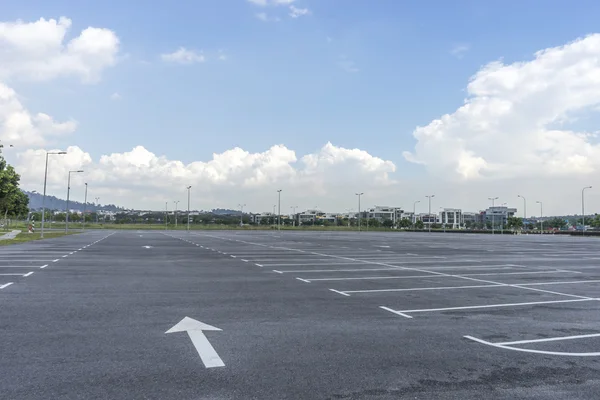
(338, 270)
(553, 353)
(552, 339)
(11, 274)
(28, 274)
(44, 266)
(419, 289)
(230, 256)
(260, 265)
(342, 293)
(55, 260)
(558, 283)
(279, 272)
(243, 260)
(395, 312)
(303, 280)
(532, 303)
(66, 255)
(6, 285)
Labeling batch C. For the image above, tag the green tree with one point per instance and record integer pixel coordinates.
(405, 223)
(387, 223)
(419, 224)
(13, 201)
(557, 223)
(514, 223)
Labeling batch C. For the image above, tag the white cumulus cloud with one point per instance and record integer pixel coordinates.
(20, 127)
(183, 56)
(296, 12)
(38, 51)
(512, 124)
(140, 173)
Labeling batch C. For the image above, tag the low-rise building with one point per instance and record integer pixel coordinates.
(451, 218)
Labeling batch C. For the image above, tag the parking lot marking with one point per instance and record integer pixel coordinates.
(279, 272)
(424, 288)
(531, 303)
(11, 275)
(552, 339)
(44, 266)
(560, 283)
(342, 293)
(55, 260)
(553, 353)
(303, 280)
(395, 312)
(28, 274)
(6, 285)
(338, 270)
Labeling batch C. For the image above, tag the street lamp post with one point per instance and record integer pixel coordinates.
(294, 214)
(502, 220)
(175, 211)
(166, 215)
(583, 209)
(44, 196)
(429, 216)
(359, 194)
(279, 210)
(415, 213)
(524, 208)
(493, 199)
(241, 214)
(541, 216)
(188, 210)
(97, 204)
(85, 205)
(68, 194)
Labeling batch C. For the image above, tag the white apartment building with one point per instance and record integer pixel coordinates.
(451, 218)
(381, 213)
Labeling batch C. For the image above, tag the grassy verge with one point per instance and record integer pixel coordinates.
(28, 237)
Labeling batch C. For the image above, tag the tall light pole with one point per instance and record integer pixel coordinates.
(188, 210)
(279, 210)
(429, 216)
(315, 216)
(502, 220)
(175, 212)
(241, 206)
(97, 204)
(166, 215)
(44, 196)
(493, 199)
(415, 212)
(541, 216)
(294, 213)
(524, 206)
(583, 209)
(359, 194)
(85, 205)
(68, 194)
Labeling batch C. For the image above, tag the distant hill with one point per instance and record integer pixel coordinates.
(54, 203)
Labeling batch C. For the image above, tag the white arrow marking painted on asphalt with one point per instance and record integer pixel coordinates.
(195, 329)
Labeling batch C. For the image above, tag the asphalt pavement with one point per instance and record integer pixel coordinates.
(300, 315)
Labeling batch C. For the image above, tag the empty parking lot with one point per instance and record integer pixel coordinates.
(242, 314)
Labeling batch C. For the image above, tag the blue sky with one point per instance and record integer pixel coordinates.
(360, 74)
(282, 82)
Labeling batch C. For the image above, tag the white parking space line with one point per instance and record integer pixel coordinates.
(298, 271)
(552, 339)
(342, 293)
(423, 288)
(559, 283)
(11, 275)
(395, 312)
(303, 280)
(431, 276)
(531, 303)
(6, 285)
(28, 274)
